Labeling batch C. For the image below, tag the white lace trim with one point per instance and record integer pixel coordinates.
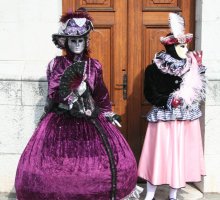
(80, 21)
(135, 194)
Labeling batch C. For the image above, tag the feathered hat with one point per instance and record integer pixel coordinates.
(177, 28)
(77, 24)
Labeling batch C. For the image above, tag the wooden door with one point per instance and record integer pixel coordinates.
(108, 44)
(147, 21)
(125, 39)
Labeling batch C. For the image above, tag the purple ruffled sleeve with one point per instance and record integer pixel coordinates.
(54, 73)
(95, 80)
(100, 93)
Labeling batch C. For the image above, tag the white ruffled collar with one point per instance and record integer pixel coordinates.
(170, 65)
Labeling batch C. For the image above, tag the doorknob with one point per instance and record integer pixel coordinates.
(124, 84)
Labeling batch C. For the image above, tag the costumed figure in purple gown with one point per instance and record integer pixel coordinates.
(174, 84)
(76, 151)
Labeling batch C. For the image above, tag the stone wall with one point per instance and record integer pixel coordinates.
(210, 42)
(207, 32)
(26, 48)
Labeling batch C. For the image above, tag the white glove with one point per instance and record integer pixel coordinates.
(115, 122)
(110, 116)
(82, 88)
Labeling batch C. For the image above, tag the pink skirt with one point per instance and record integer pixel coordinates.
(172, 153)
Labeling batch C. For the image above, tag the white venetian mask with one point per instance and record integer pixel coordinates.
(181, 50)
(76, 45)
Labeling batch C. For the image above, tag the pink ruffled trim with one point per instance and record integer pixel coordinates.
(169, 40)
(192, 88)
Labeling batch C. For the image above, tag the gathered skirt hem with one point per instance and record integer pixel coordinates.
(172, 153)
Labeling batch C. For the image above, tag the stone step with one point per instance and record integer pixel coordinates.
(187, 193)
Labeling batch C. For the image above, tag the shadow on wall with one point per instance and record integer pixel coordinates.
(39, 108)
(8, 196)
(39, 92)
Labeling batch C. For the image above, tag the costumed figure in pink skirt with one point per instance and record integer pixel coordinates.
(175, 85)
(76, 151)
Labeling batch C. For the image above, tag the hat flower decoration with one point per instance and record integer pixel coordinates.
(73, 24)
(177, 28)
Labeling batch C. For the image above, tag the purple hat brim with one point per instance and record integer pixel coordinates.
(60, 39)
(170, 40)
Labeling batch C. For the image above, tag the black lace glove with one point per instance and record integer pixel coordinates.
(50, 105)
(113, 118)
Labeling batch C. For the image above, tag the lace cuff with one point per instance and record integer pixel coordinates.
(113, 118)
(108, 114)
(202, 69)
(135, 194)
(169, 101)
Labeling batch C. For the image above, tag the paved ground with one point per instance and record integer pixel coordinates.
(188, 193)
(6, 196)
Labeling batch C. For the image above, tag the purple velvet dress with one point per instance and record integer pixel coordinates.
(66, 159)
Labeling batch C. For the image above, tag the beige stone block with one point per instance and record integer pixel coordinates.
(212, 131)
(19, 124)
(31, 116)
(213, 93)
(212, 180)
(213, 71)
(10, 129)
(10, 92)
(210, 33)
(5, 15)
(210, 10)
(8, 168)
(11, 41)
(35, 71)
(38, 43)
(29, 28)
(34, 93)
(34, 7)
(11, 70)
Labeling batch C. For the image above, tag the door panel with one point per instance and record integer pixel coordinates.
(161, 5)
(92, 5)
(147, 22)
(108, 44)
(125, 39)
(102, 36)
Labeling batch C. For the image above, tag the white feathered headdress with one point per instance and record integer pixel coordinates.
(177, 28)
